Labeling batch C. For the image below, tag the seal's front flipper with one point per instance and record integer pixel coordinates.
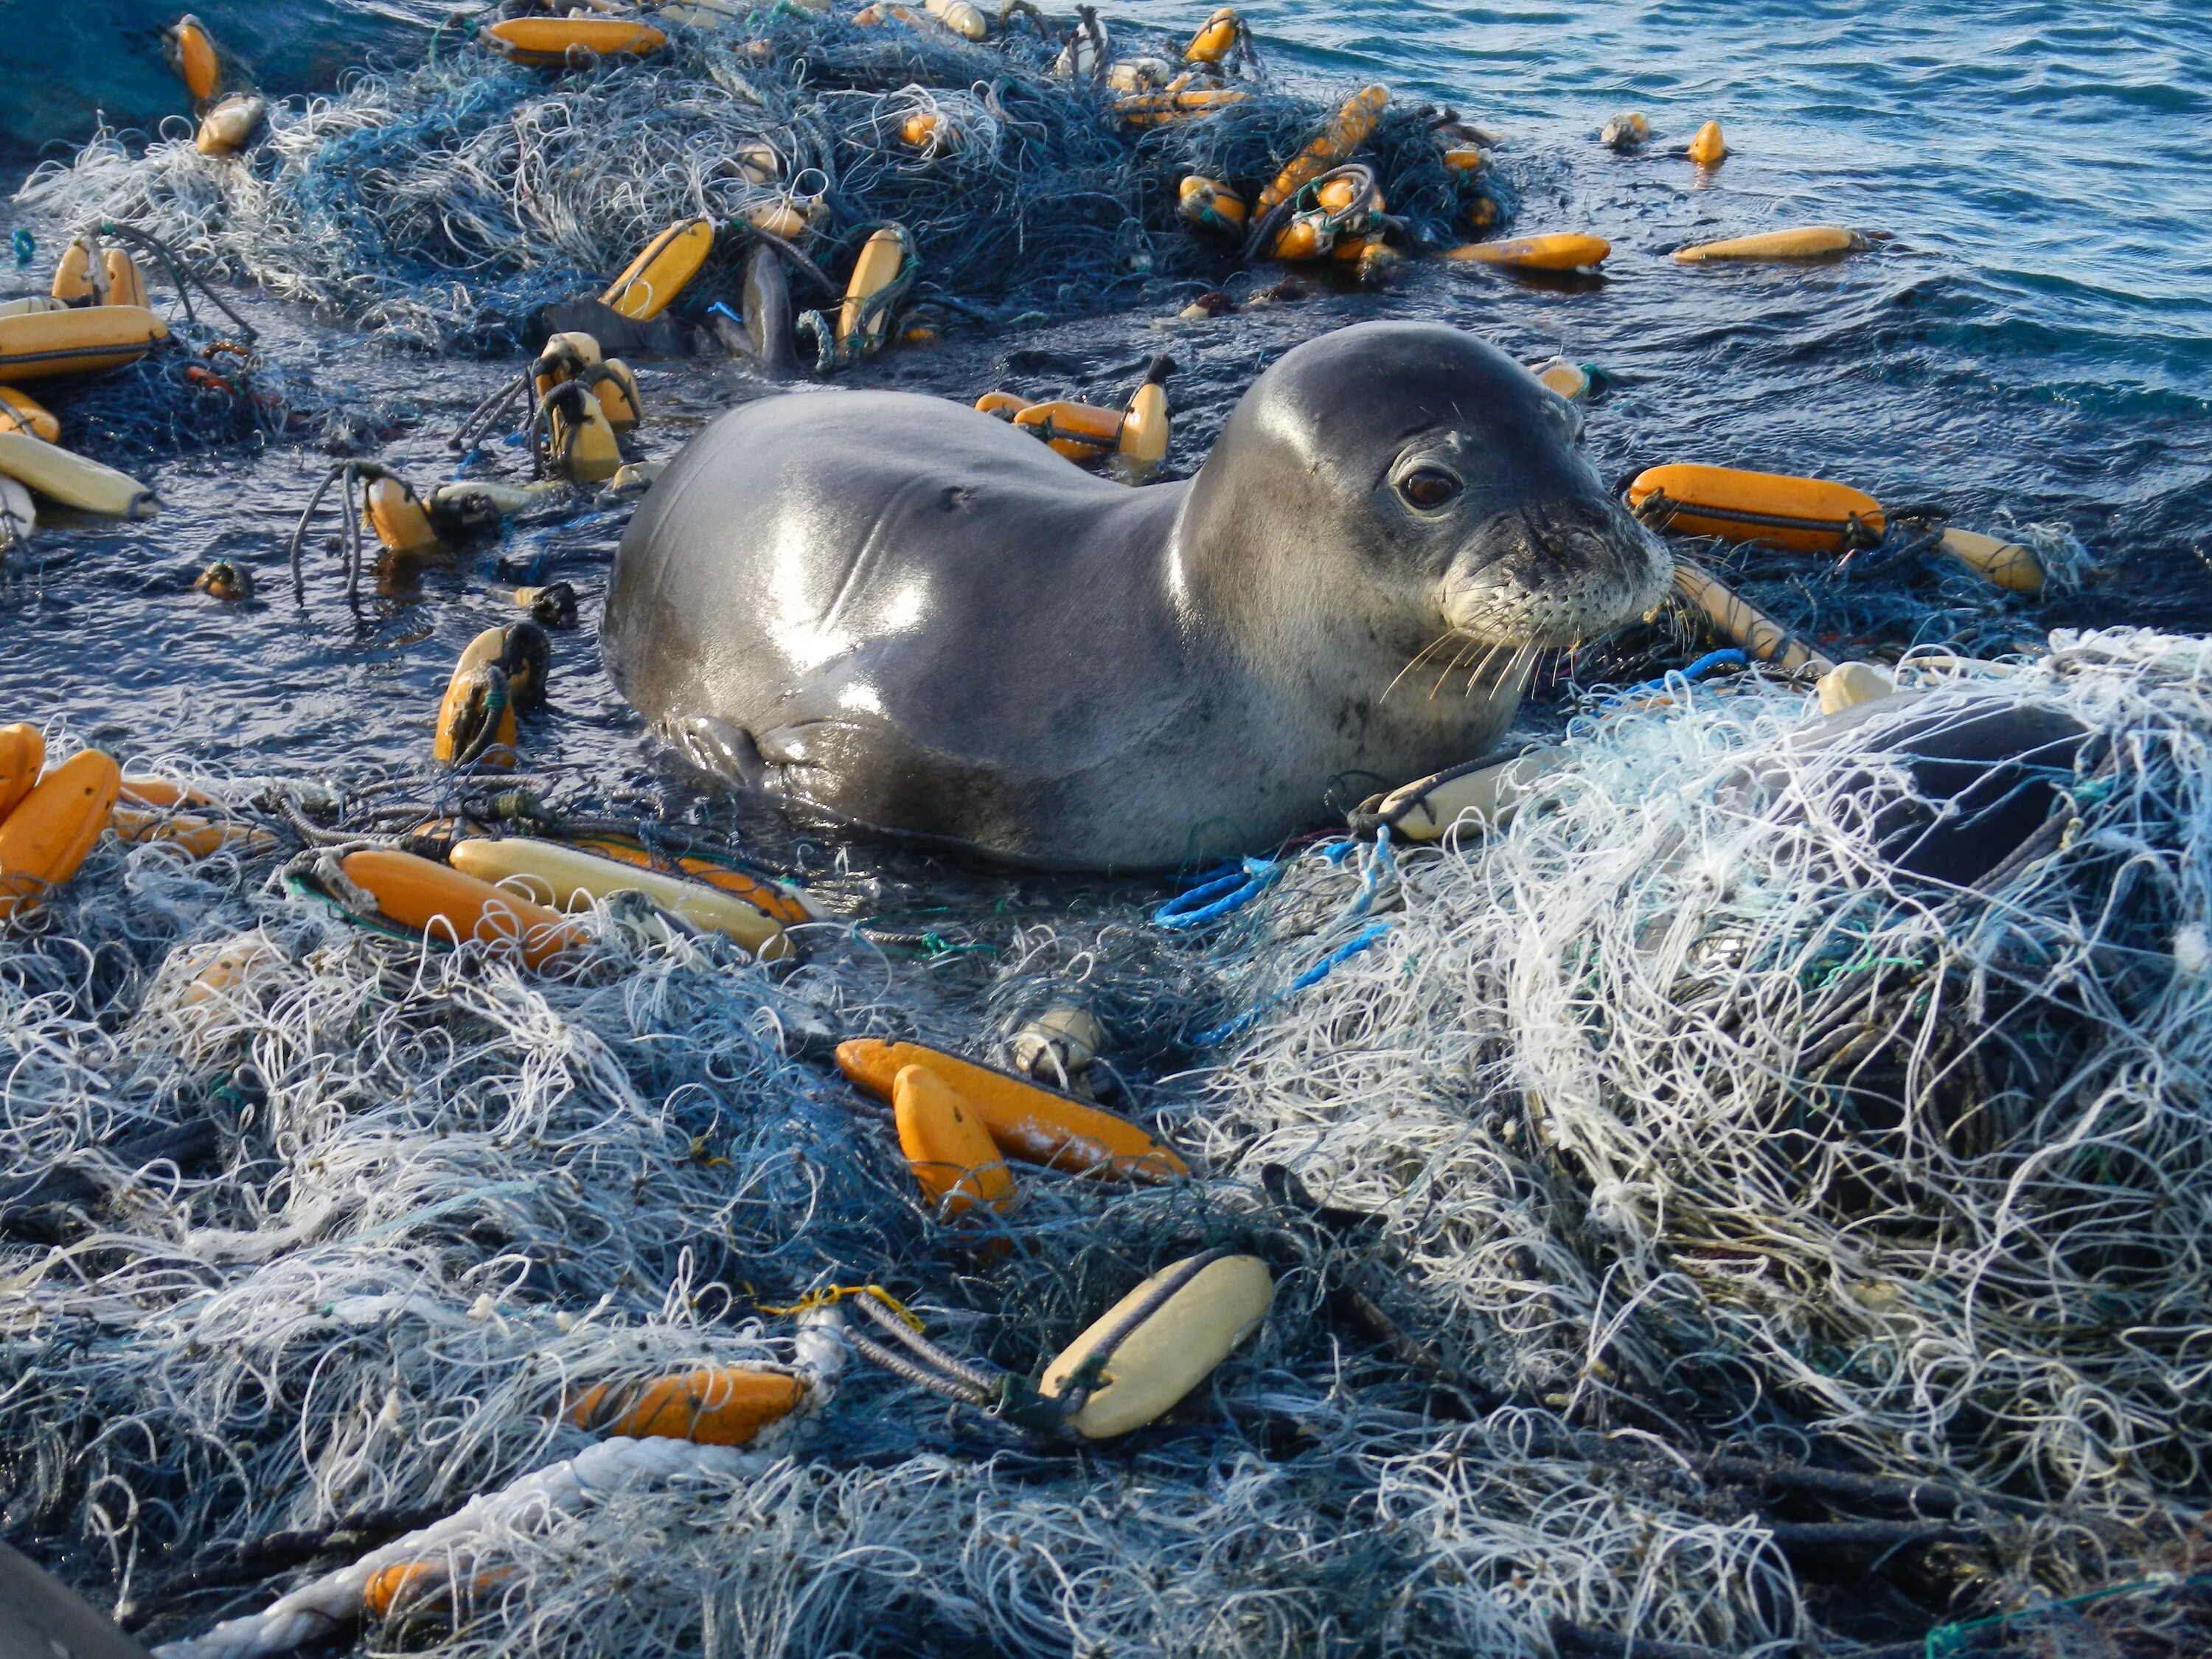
(726, 750)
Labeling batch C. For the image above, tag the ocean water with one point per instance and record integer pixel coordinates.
(2034, 342)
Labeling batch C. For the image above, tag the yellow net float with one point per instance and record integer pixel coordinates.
(1570, 381)
(1558, 251)
(48, 834)
(1133, 440)
(956, 1164)
(1807, 242)
(225, 128)
(1849, 684)
(1217, 37)
(225, 581)
(563, 357)
(79, 277)
(1147, 1353)
(71, 479)
(1352, 124)
(790, 215)
(580, 442)
(499, 670)
(1026, 1120)
(1479, 797)
(1708, 147)
(19, 514)
(786, 904)
(554, 42)
(881, 275)
(41, 344)
(2009, 564)
(661, 271)
(1142, 442)
(964, 18)
(1134, 75)
(1343, 204)
(190, 834)
(126, 283)
(569, 878)
(21, 412)
(1736, 619)
(863, 317)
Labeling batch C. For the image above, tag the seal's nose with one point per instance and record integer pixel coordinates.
(1552, 571)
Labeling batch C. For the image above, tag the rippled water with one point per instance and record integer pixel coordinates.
(2037, 339)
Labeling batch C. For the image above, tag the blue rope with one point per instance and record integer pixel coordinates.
(1313, 975)
(1704, 668)
(1218, 897)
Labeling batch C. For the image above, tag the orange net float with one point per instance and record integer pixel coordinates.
(784, 904)
(417, 1589)
(424, 897)
(1082, 432)
(954, 1160)
(1343, 204)
(1352, 124)
(1210, 205)
(191, 52)
(23, 757)
(1027, 1121)
(1803, 515)
(712, 1406)
(1158, 109)
(51, 830)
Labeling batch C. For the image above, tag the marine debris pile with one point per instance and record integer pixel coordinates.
(1676, 1208)
(449, 202)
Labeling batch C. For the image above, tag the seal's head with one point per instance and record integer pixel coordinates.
(1417, 479)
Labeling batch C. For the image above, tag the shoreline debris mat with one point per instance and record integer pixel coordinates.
(1675, 1212)
(444, 205)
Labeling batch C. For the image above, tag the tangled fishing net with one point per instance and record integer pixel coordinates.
(1667, 1196)
(447, 203)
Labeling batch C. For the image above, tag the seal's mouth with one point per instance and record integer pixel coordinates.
(1554, 573)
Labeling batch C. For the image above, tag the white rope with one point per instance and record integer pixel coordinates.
(314, 1610)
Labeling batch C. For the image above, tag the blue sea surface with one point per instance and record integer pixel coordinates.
(2034, 343)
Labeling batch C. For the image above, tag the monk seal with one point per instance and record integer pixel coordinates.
(908, 616)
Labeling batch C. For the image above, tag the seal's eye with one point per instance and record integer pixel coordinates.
(1428, 486)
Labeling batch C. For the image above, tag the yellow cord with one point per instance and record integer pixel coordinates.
(830, 1295)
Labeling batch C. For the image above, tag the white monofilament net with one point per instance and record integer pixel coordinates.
(1666, 1119)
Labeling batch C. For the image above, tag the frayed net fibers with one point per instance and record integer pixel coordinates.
(1668, 1119)
(1673, 1090)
